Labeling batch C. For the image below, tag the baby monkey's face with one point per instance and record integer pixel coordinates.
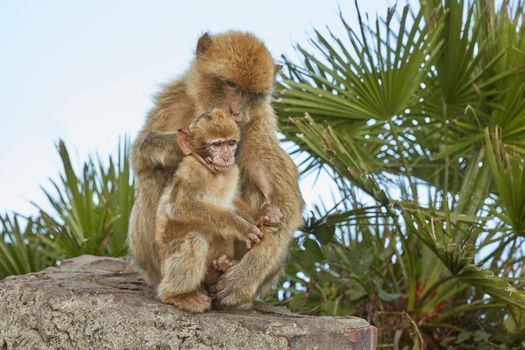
(221, 154)
(214, 138)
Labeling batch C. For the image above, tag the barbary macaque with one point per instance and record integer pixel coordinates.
(235, 72)
(196, 225)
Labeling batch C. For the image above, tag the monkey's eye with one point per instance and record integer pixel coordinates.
(232, 143)
(231, 84)
(256, 95)
(216, 144)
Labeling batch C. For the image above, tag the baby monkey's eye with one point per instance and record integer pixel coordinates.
(216, 144)
(232, 143)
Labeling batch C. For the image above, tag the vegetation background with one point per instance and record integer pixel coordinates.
(419, 119)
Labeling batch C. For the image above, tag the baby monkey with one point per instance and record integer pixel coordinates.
(197, 222)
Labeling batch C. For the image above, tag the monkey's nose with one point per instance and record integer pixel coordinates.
(234, 112)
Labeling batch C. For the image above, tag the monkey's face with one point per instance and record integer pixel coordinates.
(220, 154)
(212, 137)
(233, 100)
(233, 71)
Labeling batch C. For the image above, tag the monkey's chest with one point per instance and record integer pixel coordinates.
(220, 194)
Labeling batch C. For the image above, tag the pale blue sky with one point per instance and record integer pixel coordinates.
(85, 71)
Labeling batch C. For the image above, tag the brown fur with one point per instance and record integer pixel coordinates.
(242, 59)
(195, 222)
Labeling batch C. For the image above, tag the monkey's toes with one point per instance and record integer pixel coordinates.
(199, 303)
(193, 302)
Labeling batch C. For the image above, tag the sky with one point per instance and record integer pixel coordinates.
(85, 72)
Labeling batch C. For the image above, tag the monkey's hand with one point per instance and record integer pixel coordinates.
(152, 150)
(223, 263)
(218, 267)
(251, 235)
(234, 289)
(271, 216)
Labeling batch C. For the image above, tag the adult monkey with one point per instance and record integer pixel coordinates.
(233, 71)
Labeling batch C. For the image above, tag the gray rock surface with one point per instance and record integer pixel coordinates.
(100, 303)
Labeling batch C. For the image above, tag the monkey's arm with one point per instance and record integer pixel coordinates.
(245, 211)
(152, 149)
(211, 219)
(268, 215)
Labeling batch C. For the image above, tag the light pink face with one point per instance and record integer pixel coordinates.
(235, 100)
(221, 154)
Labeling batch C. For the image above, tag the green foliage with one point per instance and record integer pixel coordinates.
(90, 210)
(421, 123)
(20, 248)
(88, 214)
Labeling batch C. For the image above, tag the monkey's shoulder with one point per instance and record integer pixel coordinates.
(190, 170)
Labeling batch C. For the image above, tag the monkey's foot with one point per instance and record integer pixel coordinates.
(223, 263)
(233, 291)
(193, 302)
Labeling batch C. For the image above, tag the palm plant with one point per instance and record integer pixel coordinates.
(21, 251)
(88, 214)
(420, 120)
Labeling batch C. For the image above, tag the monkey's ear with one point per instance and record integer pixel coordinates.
(203, 44)
(183, 140)
(277, 68)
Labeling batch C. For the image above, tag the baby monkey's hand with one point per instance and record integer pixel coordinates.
(223, 263)
(252, 235)
(271, 216)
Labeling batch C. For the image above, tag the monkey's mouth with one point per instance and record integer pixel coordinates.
(221, 168)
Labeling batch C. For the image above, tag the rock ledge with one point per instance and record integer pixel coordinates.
(99, 303)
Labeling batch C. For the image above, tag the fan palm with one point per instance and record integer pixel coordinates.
(420, 120)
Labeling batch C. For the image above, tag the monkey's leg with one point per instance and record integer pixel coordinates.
(260, 266)
(183, 271)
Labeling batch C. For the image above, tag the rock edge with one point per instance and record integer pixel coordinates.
(100, 303)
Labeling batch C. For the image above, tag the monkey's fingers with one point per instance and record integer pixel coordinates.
(257, 232)
(254, 237)
(222, 263)
(270, 221)
(272, 216)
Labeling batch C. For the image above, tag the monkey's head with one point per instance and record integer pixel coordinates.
(232, 71)
(212, 138)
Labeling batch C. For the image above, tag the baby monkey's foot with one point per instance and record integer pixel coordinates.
(223, 263)
(193, 302)
(271, 216)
